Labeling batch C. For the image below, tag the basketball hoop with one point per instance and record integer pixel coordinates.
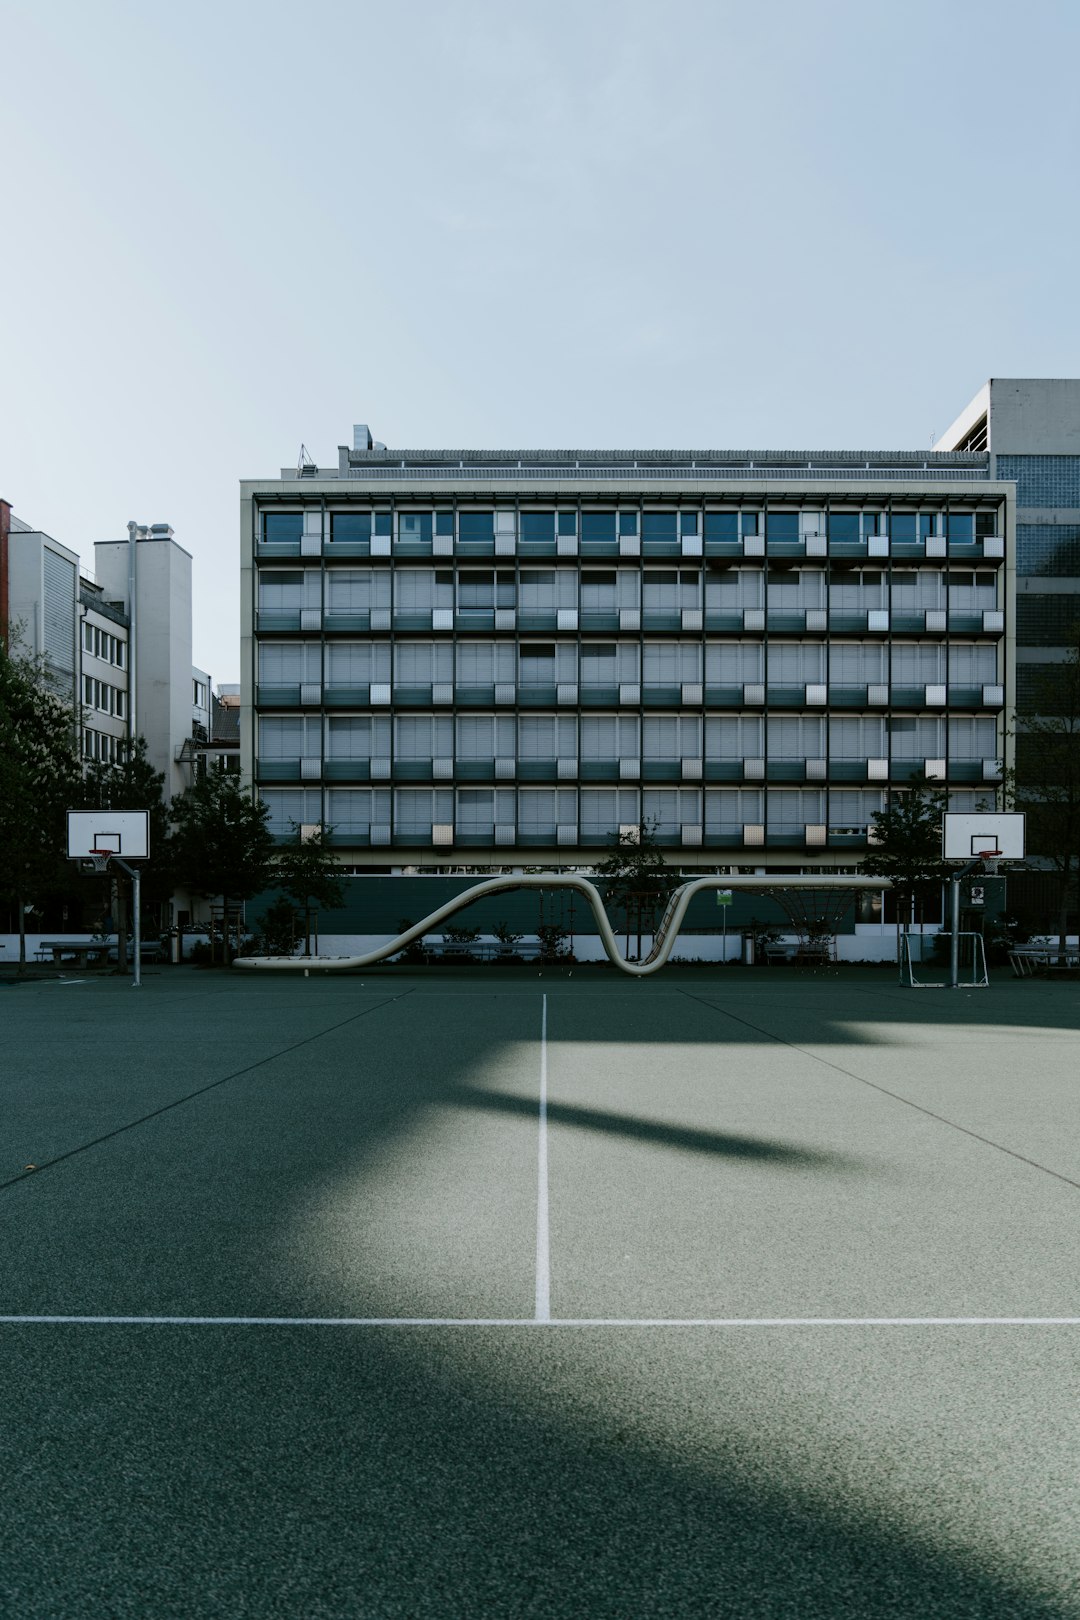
(94, 861)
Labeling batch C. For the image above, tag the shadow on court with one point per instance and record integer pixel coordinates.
(339, 1474)
(444, 1473)
(657, 1133)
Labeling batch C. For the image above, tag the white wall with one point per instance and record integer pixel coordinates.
(162, 643)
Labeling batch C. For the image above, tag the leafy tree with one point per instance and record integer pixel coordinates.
(637, 879)
(906, 847)
(39, 782)
(305, 869)
(222, 844)
(1045, 783)
(133, 784)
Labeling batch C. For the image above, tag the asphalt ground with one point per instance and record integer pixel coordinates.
(544, 1294)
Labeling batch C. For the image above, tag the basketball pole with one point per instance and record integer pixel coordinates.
(954, 942)
(136, 921)
(977, 865)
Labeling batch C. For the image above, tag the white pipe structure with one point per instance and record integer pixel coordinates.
(663, 940)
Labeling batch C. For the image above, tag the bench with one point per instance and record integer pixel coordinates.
(79, 951)
(1026, 960)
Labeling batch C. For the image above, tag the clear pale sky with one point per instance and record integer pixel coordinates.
(228, 228)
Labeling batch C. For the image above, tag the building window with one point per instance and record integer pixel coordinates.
(352, 526)
(283, 528)
(476, 526)
(538, 528)
(597, 527)
(414, 526)
(659, 526)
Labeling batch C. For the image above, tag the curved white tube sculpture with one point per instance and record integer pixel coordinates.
(663, 940)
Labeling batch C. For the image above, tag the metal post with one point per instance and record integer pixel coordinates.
(954, 942)
(136, 906)
(136, 903)
(133, 637)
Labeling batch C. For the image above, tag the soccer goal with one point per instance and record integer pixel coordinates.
(925, 958)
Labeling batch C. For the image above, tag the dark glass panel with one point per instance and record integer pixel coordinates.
(783, 525)
(350, 526)
(282, 526)
(538, 526)
(598, 525)
(476, 525)
(659, 525)
(722, 526)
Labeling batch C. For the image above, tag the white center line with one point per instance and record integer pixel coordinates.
(543, 1234)
(545, 1322)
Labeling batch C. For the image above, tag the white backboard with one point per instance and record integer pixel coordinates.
(965, 836)
(108, 832)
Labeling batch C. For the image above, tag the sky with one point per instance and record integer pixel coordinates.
(228, 229)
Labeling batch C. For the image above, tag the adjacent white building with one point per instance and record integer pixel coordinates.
(116, 639)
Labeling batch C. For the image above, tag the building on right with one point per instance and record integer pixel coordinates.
(1030, 429)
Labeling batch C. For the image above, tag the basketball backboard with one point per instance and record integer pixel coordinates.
(108, 832)
(965, 836)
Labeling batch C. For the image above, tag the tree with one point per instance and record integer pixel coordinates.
(305, 870)
(637, 878)
(1045, 783)
(133, 784)
(39, 782)
(222, 844)
(906, 847)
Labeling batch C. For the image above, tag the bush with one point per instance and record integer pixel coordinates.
(412, 955)
(279, 929)
(553, 946)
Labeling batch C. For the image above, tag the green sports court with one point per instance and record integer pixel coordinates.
(539, 1293)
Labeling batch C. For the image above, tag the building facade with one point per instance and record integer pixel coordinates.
(105, 665)
(148, 577)
(1029, 429)
(501, 658)
(39, 593)
(116, 641)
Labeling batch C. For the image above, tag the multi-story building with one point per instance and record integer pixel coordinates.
(126, 674)
(39, 595)
(499, 658)
(105, 712)
(1029, 429)
(148, 578)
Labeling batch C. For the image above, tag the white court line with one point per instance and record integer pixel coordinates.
(543, 1228)
(548, 1322)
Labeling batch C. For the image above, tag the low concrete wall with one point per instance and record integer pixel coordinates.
(873, 946)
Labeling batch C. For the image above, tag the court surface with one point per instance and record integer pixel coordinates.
(540, 1294)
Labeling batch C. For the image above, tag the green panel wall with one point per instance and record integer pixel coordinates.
(379, 905)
